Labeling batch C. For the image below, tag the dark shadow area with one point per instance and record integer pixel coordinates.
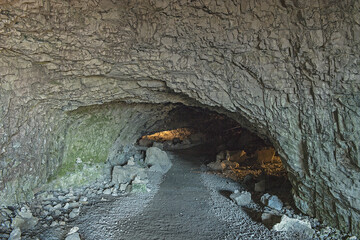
(225, 193)
(225, 147)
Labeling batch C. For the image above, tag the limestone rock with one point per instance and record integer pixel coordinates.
(216, 166)
(74, 236)
(15, 234)
(158, 145)
(241, 198)
(125, 174)
(271, 201)
(24, 220)
(294, 225)
(107, 191)
(74, 213)
(157, 160)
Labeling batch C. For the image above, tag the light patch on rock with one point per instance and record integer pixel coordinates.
(15, 234)
(24, 220)
(271, 201)
(241, 198)
(157, 160)
(294, 225)
(74, 236)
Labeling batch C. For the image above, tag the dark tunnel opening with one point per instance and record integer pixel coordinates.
(230, 149)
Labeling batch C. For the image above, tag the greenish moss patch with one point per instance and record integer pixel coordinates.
(90, 135)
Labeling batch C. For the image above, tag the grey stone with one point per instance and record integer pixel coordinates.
(57, 213)
(58, 206)
(49, 208)
(123, 186)
(302, 227)
(125, 174)
(15, 234)
(74, 213)
(74, 204)
(271, 201)
(54, 224)
(74, 236)
(24, 220)
(157, 160)
(158, 145)
(216, 166)
(107, 191)
(241, 198)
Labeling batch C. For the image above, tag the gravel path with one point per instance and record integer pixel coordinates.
(187, 204)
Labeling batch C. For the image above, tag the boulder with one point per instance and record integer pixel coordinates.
(24, 220)
(157, 160)
(119, 155)
(15, 234)
(272, 201)
(241, 198)
(125, 174)
(73, 236)
(216, 166)
(159, 145)
(302, 227)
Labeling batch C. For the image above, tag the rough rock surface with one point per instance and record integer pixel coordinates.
(294, 225)
(157, 160)
(241, 198)
(126, 174)
(288, 70)
(271, 201)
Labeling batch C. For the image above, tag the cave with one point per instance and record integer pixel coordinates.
(87, 85)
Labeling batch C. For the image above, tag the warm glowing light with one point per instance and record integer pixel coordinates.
(180, 133)
(264, 161)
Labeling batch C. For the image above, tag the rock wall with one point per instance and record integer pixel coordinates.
(286, 69)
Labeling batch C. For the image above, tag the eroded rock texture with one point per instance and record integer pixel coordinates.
(286, 69)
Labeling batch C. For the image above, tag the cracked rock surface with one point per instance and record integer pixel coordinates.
(287, 70)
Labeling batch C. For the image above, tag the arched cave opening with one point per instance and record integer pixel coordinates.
(228, 149)
(127, 167)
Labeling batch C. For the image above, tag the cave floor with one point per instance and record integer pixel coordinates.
(187, 203)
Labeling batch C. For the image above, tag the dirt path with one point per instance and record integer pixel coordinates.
(188, 204)
(183, 208)
(180, 210)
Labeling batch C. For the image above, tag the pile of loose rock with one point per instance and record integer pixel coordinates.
(239, 164)
(278, 217)
(57, 208)
(273, 213)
